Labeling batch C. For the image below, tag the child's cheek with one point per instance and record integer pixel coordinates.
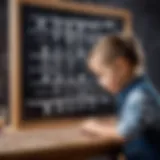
(111, 84)
(103, 82)
(106, 83)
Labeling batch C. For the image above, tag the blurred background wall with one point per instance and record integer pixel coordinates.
(146, 26)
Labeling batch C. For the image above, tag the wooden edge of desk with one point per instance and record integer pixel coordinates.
(88, 149)
(88, 146)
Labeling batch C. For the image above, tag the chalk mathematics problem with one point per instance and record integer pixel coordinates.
(55, 41)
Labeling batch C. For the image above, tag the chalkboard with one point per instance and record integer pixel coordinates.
(55, 81)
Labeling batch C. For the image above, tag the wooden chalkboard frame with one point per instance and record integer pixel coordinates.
(15, 99)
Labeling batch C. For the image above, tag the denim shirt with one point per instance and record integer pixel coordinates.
(139, 111)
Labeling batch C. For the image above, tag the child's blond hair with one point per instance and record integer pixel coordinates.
(113, 46)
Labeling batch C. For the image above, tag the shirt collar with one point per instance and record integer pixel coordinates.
(120, 97)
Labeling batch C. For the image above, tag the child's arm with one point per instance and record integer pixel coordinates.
(102, 131)
(129, 125)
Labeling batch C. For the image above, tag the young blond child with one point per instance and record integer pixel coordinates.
(118, 63)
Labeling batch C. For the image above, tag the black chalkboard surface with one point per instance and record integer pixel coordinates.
(55, 81)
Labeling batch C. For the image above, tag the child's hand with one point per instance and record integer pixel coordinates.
(101, 131)
(91, 127)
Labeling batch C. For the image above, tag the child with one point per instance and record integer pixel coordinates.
(118, 63)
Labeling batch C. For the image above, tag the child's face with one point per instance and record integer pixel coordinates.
(110, 77)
